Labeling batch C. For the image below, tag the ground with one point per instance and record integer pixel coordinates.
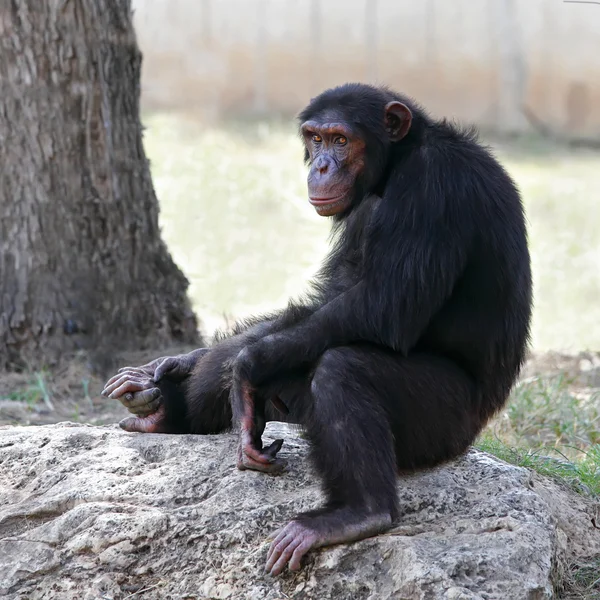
(95, 512)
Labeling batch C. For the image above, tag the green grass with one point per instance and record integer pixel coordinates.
(551, 425)
(583, 580)
(548, 411)
(582, 475)
(34, 392)
(50, 392)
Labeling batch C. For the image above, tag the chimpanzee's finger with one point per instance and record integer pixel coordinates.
(129, 385)
(154, 423)
(272, 450)
(148, 368)
(141, 424)
(137, 400)
(109, 389)
(131, 372)
(137, 371)
(170, 363)
(147, 409)
(265, 461)
(128, 368)
(272, 468)
(111, 381)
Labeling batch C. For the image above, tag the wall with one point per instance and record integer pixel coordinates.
(502, 64)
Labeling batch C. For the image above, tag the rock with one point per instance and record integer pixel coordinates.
(97, 513)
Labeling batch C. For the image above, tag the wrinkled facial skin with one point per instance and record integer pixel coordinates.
(336, 156)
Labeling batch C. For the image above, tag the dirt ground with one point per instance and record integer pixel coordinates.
(71, 392)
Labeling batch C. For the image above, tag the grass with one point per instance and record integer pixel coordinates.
(49, 396)
(549, 412)
(583, 580)
(551, 425)
(34, 392)
(582, 475)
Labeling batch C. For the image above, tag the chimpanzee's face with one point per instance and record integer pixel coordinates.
(336, 157)
(337, 153)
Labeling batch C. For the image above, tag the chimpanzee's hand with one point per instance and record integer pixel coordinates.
(177, 368)
(249, 412)
(135, 387)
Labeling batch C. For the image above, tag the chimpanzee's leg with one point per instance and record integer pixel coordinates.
(281, 399)
(203, 398)
(201, 404)
(370, 412)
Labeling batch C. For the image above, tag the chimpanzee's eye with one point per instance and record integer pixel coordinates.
(317, 139)
(341, 140)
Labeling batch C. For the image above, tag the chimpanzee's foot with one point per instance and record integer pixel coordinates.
(264, 460)
(153, 423)
(251, 454)
(331, 527)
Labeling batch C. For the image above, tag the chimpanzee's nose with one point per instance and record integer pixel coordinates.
(322, 165)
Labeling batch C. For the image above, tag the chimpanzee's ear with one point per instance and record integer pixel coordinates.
(398, 119)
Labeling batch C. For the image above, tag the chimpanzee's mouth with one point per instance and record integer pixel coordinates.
(329, 203)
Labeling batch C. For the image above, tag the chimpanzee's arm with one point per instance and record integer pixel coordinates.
(391, 306)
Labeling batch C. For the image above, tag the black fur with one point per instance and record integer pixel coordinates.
(416, 327)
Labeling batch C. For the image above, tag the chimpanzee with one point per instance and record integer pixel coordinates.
(410, 340)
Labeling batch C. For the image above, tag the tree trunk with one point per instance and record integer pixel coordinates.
(82, 263)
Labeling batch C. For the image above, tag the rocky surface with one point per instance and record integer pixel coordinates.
(97, 513)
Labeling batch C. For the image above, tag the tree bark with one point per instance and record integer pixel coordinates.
(82, 262)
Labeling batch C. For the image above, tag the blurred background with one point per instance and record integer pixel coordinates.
(222, 80)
